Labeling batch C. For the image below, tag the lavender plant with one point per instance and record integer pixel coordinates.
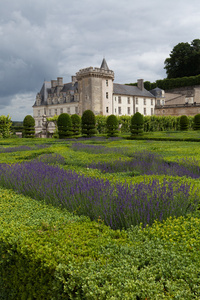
(119, 206)
(22, 148)
(149, 163)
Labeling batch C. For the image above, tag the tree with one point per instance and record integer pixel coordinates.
(112, 125)
(76, 124)
(196, 121)
(184, 60)
(137, 124)
(184, 123)
(29, 127)
(5, 126)
(64, 123)
(88, 123)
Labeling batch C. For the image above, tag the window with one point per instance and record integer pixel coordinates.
(39, 123)
(106, 95)
(61, 110)
(144, 101)
(128, 100)
(68, 110)
(115, 110)
(49, 112)
(76, 109)
(38, 113)
(151, 111)
(56, 111)
(128, 110)
(45, 112)
(158, 102)
(145, 111)
(106, 82)
(119, 110)
(107, 109)
(136, 100)
(115, 98)
(119, 100)
(136, 109)
(151, 101)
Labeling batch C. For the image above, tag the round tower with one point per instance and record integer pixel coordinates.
(95, 89)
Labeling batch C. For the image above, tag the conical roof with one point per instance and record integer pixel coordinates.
(104, 65)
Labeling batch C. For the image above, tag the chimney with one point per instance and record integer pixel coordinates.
(140, 84)
(53, 83)
(60, 81)
(74, 80)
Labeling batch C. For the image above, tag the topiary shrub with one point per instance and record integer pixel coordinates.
(137, 124)
(64, 124)
(184, 123)
(196, 125)
(112, 125)
(88, 123)
(76, 124)
(29, 127)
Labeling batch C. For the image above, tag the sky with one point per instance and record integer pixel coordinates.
(45, 39)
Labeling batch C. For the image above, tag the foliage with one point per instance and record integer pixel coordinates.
(184, 60)
(88, 123)
(184, 123)
(196, 125)
(112, 125)
(125, 123)
(76, 124)
(29, 126)
(64, 124)
(5, 126)
(137, 124)
(101, 123)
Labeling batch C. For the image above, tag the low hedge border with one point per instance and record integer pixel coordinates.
(48, 253)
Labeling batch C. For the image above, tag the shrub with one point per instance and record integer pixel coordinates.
(196, 125)
(29, 126)
(184, 123)
(88, 123)
(64, 126)
(5, 125)
(76, 124)
(112, 125)
(137, 124)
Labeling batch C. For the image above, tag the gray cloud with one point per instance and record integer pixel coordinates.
(45, 39)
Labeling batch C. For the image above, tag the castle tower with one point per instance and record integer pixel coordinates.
(96, 89)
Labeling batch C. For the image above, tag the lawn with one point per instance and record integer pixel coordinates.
(100, 218)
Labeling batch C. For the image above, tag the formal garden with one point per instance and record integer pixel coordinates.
(110, 215)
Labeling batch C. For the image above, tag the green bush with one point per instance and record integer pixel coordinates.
(184, 123)
(64, 124)
(112, 125)
(100, 124)
(196, 121)
(76, 124)
(137, 124)
(29, 126)
(5, 126)
(88, 123)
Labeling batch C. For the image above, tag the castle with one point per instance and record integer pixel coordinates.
(94, 89)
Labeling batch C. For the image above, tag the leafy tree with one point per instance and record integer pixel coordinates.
(88, 123)
(137, 124)
(76, 124)
(64, 124)
(196, 121)
(112, 125)
(184, 60)
(5, 126)
(184, 123)
(29, 126)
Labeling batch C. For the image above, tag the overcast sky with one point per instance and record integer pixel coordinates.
(44, 39)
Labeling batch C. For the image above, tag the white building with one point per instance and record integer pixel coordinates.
(94, 89)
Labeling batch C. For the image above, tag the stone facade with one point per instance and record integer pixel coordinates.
(94, 89)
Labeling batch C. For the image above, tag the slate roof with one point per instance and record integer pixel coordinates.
(69, 87)
(131, 90)
(104, 65)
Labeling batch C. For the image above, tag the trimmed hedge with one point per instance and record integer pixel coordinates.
(47, 253)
